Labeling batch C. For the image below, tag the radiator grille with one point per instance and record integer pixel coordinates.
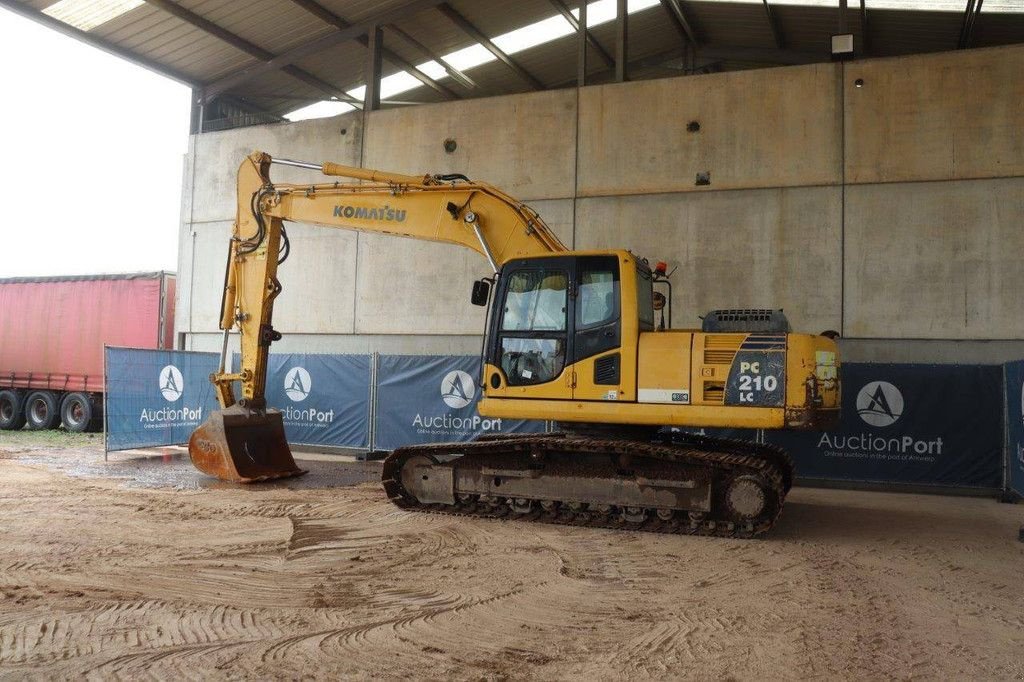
(724, 340)
(720, 349)
(719, 357)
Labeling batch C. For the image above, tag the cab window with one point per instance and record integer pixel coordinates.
(535, 301)
(533, 326)
(598, 297)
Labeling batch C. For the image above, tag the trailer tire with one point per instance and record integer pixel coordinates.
(41, 411)
(76, 412)
(12, 410)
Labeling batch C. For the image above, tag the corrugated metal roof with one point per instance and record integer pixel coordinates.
(736, 33)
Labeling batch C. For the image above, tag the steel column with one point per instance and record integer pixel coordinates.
(773, 23)
(563, 9)
(353, 32)
(581, 47)
(328, 17)
(621, 40)
(456, 75)
(374, 66)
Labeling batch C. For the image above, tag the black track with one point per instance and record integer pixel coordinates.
(724, 457)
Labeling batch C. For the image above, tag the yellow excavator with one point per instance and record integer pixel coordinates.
(573, 337)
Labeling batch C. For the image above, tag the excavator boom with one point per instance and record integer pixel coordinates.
(245, 441)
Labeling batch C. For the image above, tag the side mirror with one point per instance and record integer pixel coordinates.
(481, 292)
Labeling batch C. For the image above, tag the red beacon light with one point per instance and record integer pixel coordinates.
(660, 268)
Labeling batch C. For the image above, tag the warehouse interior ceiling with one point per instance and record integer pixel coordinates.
(259, 61)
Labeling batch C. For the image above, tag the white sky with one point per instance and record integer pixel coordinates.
(90, 160)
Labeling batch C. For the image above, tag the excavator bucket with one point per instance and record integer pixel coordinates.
(243, 446)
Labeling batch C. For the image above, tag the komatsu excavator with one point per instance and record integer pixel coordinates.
(570, 337)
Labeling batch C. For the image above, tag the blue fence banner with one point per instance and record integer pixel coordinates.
(433, 399)
(1014, 383)
(156, 397)
(916, 424)
(324, 399)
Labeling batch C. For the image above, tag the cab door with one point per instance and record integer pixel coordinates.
(597, 328)
(532, 332)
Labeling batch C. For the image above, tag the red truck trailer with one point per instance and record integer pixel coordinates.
(52, 333)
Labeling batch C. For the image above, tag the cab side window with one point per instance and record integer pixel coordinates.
(598, 297)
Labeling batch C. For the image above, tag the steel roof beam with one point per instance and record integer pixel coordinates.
(246, 74)
(608, 60)
(477, 35)
(456, 75)
(251, 49)
(99, 43)
(680, 21)
(773, 22)
(329, 17)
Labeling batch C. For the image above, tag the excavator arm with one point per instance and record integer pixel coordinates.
(244, 441)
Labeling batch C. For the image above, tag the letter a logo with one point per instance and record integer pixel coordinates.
(457, 389)
(880, 403)
(297, 384)
(171, 383)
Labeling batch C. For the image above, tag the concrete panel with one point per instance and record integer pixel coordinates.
(218, 156)
(407, 286)
(412, 287)
(318, 280)
(558, 214)
(937, 260)
(397, 344)
(523, 144)
(762, 128)
(931, 351)
(206, 249)
(755, 248)
(944, 116)
(183, 299)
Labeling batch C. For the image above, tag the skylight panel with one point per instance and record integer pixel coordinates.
(534, 34)
(88, 14)
(432, 69)
(468, 57)
(319, 110)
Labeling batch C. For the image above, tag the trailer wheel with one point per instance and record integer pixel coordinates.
(41, 410)
(12, 410)
(76, 412)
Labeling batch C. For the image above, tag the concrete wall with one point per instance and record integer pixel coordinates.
(888, 209)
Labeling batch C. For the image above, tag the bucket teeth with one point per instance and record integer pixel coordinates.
(243, 446)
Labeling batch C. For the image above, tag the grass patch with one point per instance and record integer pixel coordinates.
(54, 438)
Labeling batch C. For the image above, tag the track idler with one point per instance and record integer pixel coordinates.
(243, 445)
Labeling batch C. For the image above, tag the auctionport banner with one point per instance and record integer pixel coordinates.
(432, 399)
(917, 424)
(155, 397)
(324, 399)
(1014, 377)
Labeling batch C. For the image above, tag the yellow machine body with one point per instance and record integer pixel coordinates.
(685, 378)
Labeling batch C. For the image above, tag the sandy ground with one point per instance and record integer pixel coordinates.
(106, 573)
